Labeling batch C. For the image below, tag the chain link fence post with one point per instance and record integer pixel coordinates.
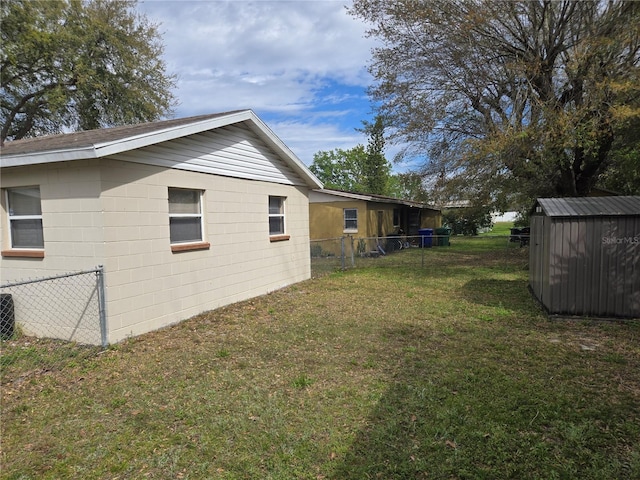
(353, 254)
(102, 309)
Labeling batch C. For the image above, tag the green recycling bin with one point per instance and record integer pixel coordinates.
(442, 236)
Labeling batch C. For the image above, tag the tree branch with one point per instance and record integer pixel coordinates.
(20, 105)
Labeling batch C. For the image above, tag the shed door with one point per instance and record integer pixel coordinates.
(535, 253)
(538, 258)
(380, 220)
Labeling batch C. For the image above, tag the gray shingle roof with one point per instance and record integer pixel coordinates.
(92, 137)
(590, 206)
(106, 142)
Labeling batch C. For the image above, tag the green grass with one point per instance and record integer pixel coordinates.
(23, 356)
(447, 371)
(501, 229)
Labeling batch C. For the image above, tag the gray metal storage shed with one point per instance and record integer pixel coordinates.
(584, 257)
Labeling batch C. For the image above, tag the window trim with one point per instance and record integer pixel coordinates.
(396, 218)
(189, 245)
(20, 252)
(279, 236)
(27, 252)
(344, 221)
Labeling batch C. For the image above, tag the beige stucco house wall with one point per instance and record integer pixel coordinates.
(377, 216)
(112, 209)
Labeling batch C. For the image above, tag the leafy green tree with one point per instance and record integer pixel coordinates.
(340, 169)
(359, 169)
(623, 176)
(467, 221)
(376, 168)
(409, 186)
(79, 65)
(509, 100)
(344, 170)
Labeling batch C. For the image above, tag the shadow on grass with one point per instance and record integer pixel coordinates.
(487, 399)
(453, 413)
(386, 445)
(501, 294)
(441, 418)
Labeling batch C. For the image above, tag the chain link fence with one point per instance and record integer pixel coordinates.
(48, 322)
(348, 252)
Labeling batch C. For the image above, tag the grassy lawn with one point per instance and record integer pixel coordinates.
(447, 371)
(501, 229)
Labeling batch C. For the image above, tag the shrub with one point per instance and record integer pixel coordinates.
(466, 221)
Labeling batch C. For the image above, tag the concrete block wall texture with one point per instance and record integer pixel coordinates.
(118, 217)
(240, 262)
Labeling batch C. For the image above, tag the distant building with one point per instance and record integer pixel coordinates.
(335, 213)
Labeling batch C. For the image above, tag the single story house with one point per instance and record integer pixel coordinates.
(584, 256)
(184, 215)
(336, 213)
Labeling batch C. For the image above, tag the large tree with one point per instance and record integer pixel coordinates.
(376, 168)
(358, 169)
(340, 169)
(78, 65)
(345, 170)
(409, 186)
(508, 98)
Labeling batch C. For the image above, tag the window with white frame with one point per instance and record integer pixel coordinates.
(350, 220)
(185, 216)
(25, 218)
(276, 215)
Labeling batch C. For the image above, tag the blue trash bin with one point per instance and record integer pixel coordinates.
(426, 237)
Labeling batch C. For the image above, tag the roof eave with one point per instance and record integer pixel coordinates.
(151, 138)
(113, 147)
(371, 198)
(300, 168)
(105, 149)
(37, 158)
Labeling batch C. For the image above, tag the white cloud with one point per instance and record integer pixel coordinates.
(300, 65)
(282, 40)
(305, 139)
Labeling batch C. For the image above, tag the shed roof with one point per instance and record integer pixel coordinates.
(108, 141)
(589, 206)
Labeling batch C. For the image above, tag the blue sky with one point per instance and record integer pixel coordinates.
(300, 65)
